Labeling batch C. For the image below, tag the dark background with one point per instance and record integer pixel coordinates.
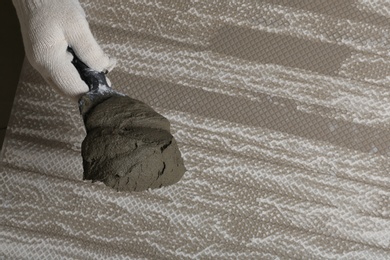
(12, 55)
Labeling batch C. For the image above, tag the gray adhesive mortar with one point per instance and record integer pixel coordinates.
(128, 145)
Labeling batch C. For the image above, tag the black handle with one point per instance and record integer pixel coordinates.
(94, 79)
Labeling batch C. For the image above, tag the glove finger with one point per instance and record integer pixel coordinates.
(88, 50)
(62, 74)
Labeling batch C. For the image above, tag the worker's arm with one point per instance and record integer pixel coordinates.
(48, 28)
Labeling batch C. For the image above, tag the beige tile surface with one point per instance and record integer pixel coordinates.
(12, 55)
(281, 112)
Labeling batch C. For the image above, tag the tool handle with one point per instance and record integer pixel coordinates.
(94, 79)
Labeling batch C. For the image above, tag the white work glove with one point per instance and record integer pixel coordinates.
(48, 27)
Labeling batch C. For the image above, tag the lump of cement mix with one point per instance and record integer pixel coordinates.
(128, 145)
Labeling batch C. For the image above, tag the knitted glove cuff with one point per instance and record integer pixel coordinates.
(25, 8)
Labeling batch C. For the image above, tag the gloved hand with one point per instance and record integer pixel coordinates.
(48, 27)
